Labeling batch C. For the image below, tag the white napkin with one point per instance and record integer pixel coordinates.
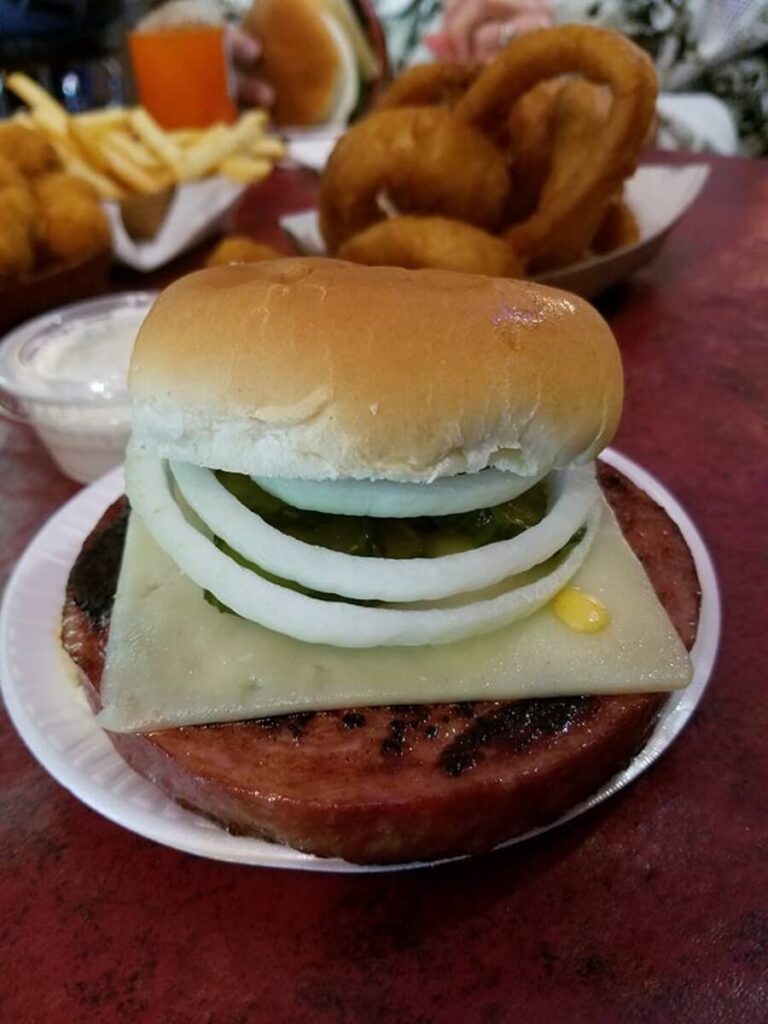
(197, 210)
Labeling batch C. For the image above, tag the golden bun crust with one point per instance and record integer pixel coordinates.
(300, 57)
(321, 369)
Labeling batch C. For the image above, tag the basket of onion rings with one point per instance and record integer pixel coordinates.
(515, 169)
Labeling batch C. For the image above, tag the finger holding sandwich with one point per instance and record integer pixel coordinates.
(252, 89)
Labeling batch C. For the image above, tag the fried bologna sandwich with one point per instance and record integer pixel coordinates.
(374, 597)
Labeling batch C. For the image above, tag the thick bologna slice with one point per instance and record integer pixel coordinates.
(389, 784)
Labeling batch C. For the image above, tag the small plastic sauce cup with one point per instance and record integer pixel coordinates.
(65, 373)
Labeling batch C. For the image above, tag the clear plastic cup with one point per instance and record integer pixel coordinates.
(183, 75)
(65, 373)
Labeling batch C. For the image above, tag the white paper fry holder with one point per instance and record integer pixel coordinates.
(192, 212)
(658, 196)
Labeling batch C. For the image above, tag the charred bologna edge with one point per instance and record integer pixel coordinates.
(381, 785)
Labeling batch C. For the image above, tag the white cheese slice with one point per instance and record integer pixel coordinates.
(174, 660)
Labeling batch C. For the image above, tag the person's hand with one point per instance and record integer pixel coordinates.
(245, 51)
(475, 30)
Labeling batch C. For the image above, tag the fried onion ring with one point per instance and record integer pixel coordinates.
(603, 57)
(28, 150)
(424, 159)
(439, 84)
(438, 242)
(618, 228)
(240, 249)
(529, 129)
(578, 121)
(17, 254)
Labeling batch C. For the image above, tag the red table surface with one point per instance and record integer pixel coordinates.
(652, 908)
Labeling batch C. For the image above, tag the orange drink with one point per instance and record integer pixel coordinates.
(182, 75)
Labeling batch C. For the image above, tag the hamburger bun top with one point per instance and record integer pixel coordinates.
(320, 369)
(305, 56)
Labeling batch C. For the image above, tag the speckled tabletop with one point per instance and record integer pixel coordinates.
(652, 908)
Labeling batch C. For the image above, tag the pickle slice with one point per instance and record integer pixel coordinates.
(422, 537)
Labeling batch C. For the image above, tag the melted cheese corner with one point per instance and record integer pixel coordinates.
(174, 660)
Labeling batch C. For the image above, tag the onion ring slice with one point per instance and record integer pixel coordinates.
(407, 151)
(602, 56)
(386, 499)
(440, 83)
(326, 622)
(441, 243)
(387, 579)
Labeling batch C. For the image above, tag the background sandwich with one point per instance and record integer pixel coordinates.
(317, 56)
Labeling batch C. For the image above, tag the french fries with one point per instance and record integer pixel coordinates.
(85, 144)
(203, 156)
(158, 142)
(124, 152)
(128, 173)
(45, 110)
(246, 169)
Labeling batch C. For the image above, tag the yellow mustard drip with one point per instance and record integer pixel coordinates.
(580, 611)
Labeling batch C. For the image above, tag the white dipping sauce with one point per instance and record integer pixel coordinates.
(68, 373)
(94, 352)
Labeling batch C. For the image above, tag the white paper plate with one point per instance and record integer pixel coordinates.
(51, 714)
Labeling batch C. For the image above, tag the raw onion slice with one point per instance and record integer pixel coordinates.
(386, 499)
(387, 579)
(326, 622)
